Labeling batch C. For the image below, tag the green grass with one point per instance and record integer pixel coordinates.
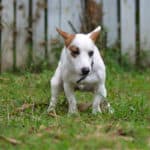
(127, 128)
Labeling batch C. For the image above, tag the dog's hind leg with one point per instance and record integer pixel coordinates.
(56, 86)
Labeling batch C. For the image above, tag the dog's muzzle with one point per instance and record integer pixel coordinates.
(85, 72)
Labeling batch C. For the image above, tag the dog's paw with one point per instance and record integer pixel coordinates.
(106, 107)
(96, 111)
(73, 111)
(111, 110)
(76, 114)
(50, 109)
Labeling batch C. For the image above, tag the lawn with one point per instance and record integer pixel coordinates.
(25, 124)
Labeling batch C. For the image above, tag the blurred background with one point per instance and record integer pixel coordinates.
(28, 37)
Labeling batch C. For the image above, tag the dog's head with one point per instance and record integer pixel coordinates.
(80, 49)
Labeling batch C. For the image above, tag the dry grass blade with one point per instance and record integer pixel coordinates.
(47, 129)
(24, 107)
(28, 106)
(4, 79)
(10, 140)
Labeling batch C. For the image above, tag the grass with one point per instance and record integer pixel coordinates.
(128, 128)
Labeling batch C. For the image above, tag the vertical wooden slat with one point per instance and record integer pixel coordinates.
(30, 37)
(21, 32)
(53, 22)
(38, 31)
(14, 37)
(53, 18)
(46, 29)
(119, 29)
(7, 34)
(145, 31)
(128, 28)
(70, 12)
(0, 35)
(98, 1)
(110, 21)
(137, 17)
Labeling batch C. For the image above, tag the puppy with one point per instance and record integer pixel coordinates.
(80, 66)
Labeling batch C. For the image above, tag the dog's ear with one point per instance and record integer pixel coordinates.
(67, 37)
(95, 33)
(94, 36)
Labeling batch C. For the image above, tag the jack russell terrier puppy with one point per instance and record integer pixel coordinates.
(81, 66)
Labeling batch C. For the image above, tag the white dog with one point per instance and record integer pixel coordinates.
(81, 66)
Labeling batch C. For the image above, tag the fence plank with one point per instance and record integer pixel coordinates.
(145, 31)
(53, 18)
(7, 34)
(38, 31)
(98, 1)
(22, 35)
(110, 21)
(70, 12)
(128, 28)
(0, 40)
(53, 22)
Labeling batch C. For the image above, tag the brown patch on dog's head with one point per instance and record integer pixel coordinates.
(67, 37)
(94, 36)
(74, 50)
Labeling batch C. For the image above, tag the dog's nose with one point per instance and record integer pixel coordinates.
(85, 70)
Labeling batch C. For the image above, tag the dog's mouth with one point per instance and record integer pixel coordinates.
(83, 76)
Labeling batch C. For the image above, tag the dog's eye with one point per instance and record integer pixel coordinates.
(90, 53)
(74, 50)
(75, 53)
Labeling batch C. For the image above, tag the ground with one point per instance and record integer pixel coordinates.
(25, 124)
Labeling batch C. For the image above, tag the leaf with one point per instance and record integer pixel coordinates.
(84, 106)
(44, 128)
(121, 132)
(10, 140)
(53, 114)
(24, 107)
(32, 130)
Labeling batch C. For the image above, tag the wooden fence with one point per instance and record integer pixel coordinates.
(127, 22)
(27, 28)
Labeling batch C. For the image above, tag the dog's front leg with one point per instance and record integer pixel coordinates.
(55, 89)
(69, 92)
(100, 93)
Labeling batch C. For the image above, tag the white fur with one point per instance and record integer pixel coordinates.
(68, 73)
